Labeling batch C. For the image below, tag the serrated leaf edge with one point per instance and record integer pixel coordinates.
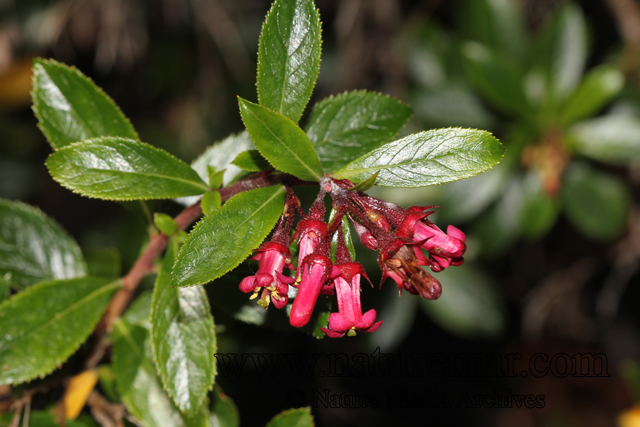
(306, 409)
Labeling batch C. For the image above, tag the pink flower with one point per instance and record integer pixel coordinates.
(308, 233)
(275, 286)
(314, 271)
(349, 317)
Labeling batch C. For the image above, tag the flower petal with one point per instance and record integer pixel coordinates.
(340, 322)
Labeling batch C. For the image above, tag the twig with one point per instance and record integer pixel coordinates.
(627, 16)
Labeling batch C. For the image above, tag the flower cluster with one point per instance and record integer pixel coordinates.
(405, 239)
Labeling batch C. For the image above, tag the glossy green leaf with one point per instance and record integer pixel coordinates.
(612, 138)
(183, 338)
(598, 204)
(210, 202)
(497, 77)
(281, 141)
(223, 411)
(251, 161)
(597, 89)
(289, 57)
(123, 169)
(427, 158)
(71, 108)
(471, 305)
(560, 51)
(245, 220)
(34, 248)
(300, 417)
(346, 126)
(45, 324)
(165, 223)
(366, 184)
(140, 387)
(221, 154)
(499, 24)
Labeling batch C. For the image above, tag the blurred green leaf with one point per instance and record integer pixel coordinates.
(215, 177)
(223, 411)
(103, 262)
(539, 211)
(45, 324)
(4, 289)
(71, 108)
(598, 204)
(289, 57)
(165, 223)
(471, 305)
(614, 138)
(497, 77)
(183, 338)
(451, 106)
(34, 248)
(44, 419)
(139, 312)
(499, 24)
(501, 224)
(246, 219)
(560, 51)
(346, 126)
(123, 169)
(293, 418)
(108, 382)
(597, 89)
(427, 158)
(140, 387)
(251, 161)
(281, 141)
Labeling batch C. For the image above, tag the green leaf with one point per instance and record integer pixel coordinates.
(597, 89)
(300, 417)
(344, 127)
(210, 202)
(346, 231)
(497, 77)
(45, 324)
(183, 338)
(613, 138)
(289, 57)
(471, 305)
(560, 51)
(140, 387)
(251, 161)
(281, 141)
(598, 204)
(223, 411)
(108, 382)
(245, 220)
(366, 184)
(221, 154)
(123, 169)
(215, 177)
(103, 262)
(165, 223)
(5, 288)
(43, 419)
(539, 210)
(34, 248)
(139, 312)
(427, 158)
(450, 106)
(499, 24)
(71, 108)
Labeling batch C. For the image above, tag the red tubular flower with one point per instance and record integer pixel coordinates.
(308, 233)
(273, 257)
(349, 317)
(399, 262)
(314, 271)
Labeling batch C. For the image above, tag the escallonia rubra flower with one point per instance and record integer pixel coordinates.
(349, 317)
(316, 270)
(273, 258)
